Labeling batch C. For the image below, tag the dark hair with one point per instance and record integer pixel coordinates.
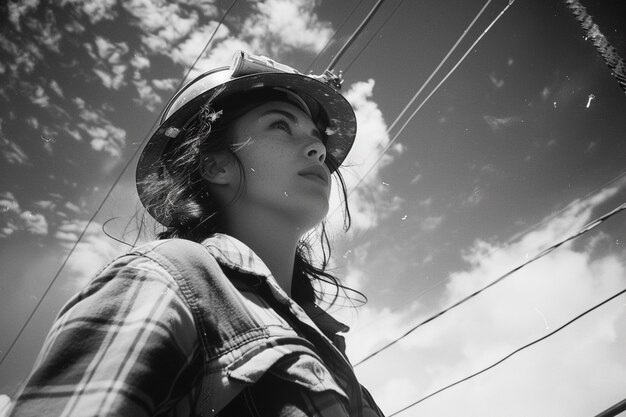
(179, 197)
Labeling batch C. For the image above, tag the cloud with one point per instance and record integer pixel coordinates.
(139, 62)
(108, 138)
(431, 223)
(374, 321)
(18, 9)
(34, 223)
(585, 361)
(54, 86)
(373, 199)
(498, 83)
(97, 10)
(416, 179)
(165, 84)
(92, 252)
(110, 65)
(5, 405)
(8, 203)
(40, 97)
(497, 123)
(104, 135)
(12, 153)
(164, 24)
(148, 98)
(187, 51)
(13, 219)
(288, 24)
(474, 198)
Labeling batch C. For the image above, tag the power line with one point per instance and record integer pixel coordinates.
(106, 197)
(393, 12)
(541, 254)
(491, 252)
(614, 410)
(356, 6)
(620, 406)
(354, 35)
(395, 137)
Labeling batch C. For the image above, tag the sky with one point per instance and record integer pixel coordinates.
(520, 147)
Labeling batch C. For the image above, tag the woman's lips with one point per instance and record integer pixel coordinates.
(316, 173)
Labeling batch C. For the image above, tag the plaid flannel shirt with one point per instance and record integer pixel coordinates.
(150, 336)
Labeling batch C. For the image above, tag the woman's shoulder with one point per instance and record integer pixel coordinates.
(178, 256)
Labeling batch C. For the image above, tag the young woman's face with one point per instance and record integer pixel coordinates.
(282, 154)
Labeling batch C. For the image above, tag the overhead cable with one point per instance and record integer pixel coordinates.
(614, 410)
(498, 362)
(393, 12)
(541, 254)
(395, 137)
(329, 41)
(106, 197)
(493, 251)
(445, 58)
(354, 35)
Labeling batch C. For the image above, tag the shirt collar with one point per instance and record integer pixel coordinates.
(236, 255)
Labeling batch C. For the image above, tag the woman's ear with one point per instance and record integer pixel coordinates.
(219, 168)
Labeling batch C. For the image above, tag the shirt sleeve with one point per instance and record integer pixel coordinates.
(125, 346)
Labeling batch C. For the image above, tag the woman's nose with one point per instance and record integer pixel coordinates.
(316, 150)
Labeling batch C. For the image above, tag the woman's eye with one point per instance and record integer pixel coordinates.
(283, 125)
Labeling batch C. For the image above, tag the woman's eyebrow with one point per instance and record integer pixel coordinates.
(292, 118)
(285, 113)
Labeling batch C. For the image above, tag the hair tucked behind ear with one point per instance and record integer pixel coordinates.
(180, 197)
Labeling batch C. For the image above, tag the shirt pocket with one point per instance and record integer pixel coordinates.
(308, 371)
(303, 368)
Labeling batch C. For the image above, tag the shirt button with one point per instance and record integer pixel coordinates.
(319, 372)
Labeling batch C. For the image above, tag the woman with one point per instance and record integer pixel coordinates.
(219, 316)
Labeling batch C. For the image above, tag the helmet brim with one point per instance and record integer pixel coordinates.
(339, 115)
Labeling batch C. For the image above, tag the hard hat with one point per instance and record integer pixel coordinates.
(318, 95)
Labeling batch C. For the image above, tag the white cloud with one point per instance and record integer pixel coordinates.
(147, 96)
(186, 52)
(583, 364)
(12, 153)
(416, 179)
(165, 24)
(497, 123)
(108, 138)
(103, 134)
(110, 64)
(431, 223)
(373, 199)
(56, 88)
(374, 321)
(8, 203)
(97, 10)
(13, 219)
(165, 84)
(474, 198)
(40, 97)
(5, 405)
(92, 252)
(288, 24)
(395, 392)
(498, 83)
(139, 62)
(34, 223)
(18, 9)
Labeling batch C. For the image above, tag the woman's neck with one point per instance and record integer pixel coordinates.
(272, 239)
